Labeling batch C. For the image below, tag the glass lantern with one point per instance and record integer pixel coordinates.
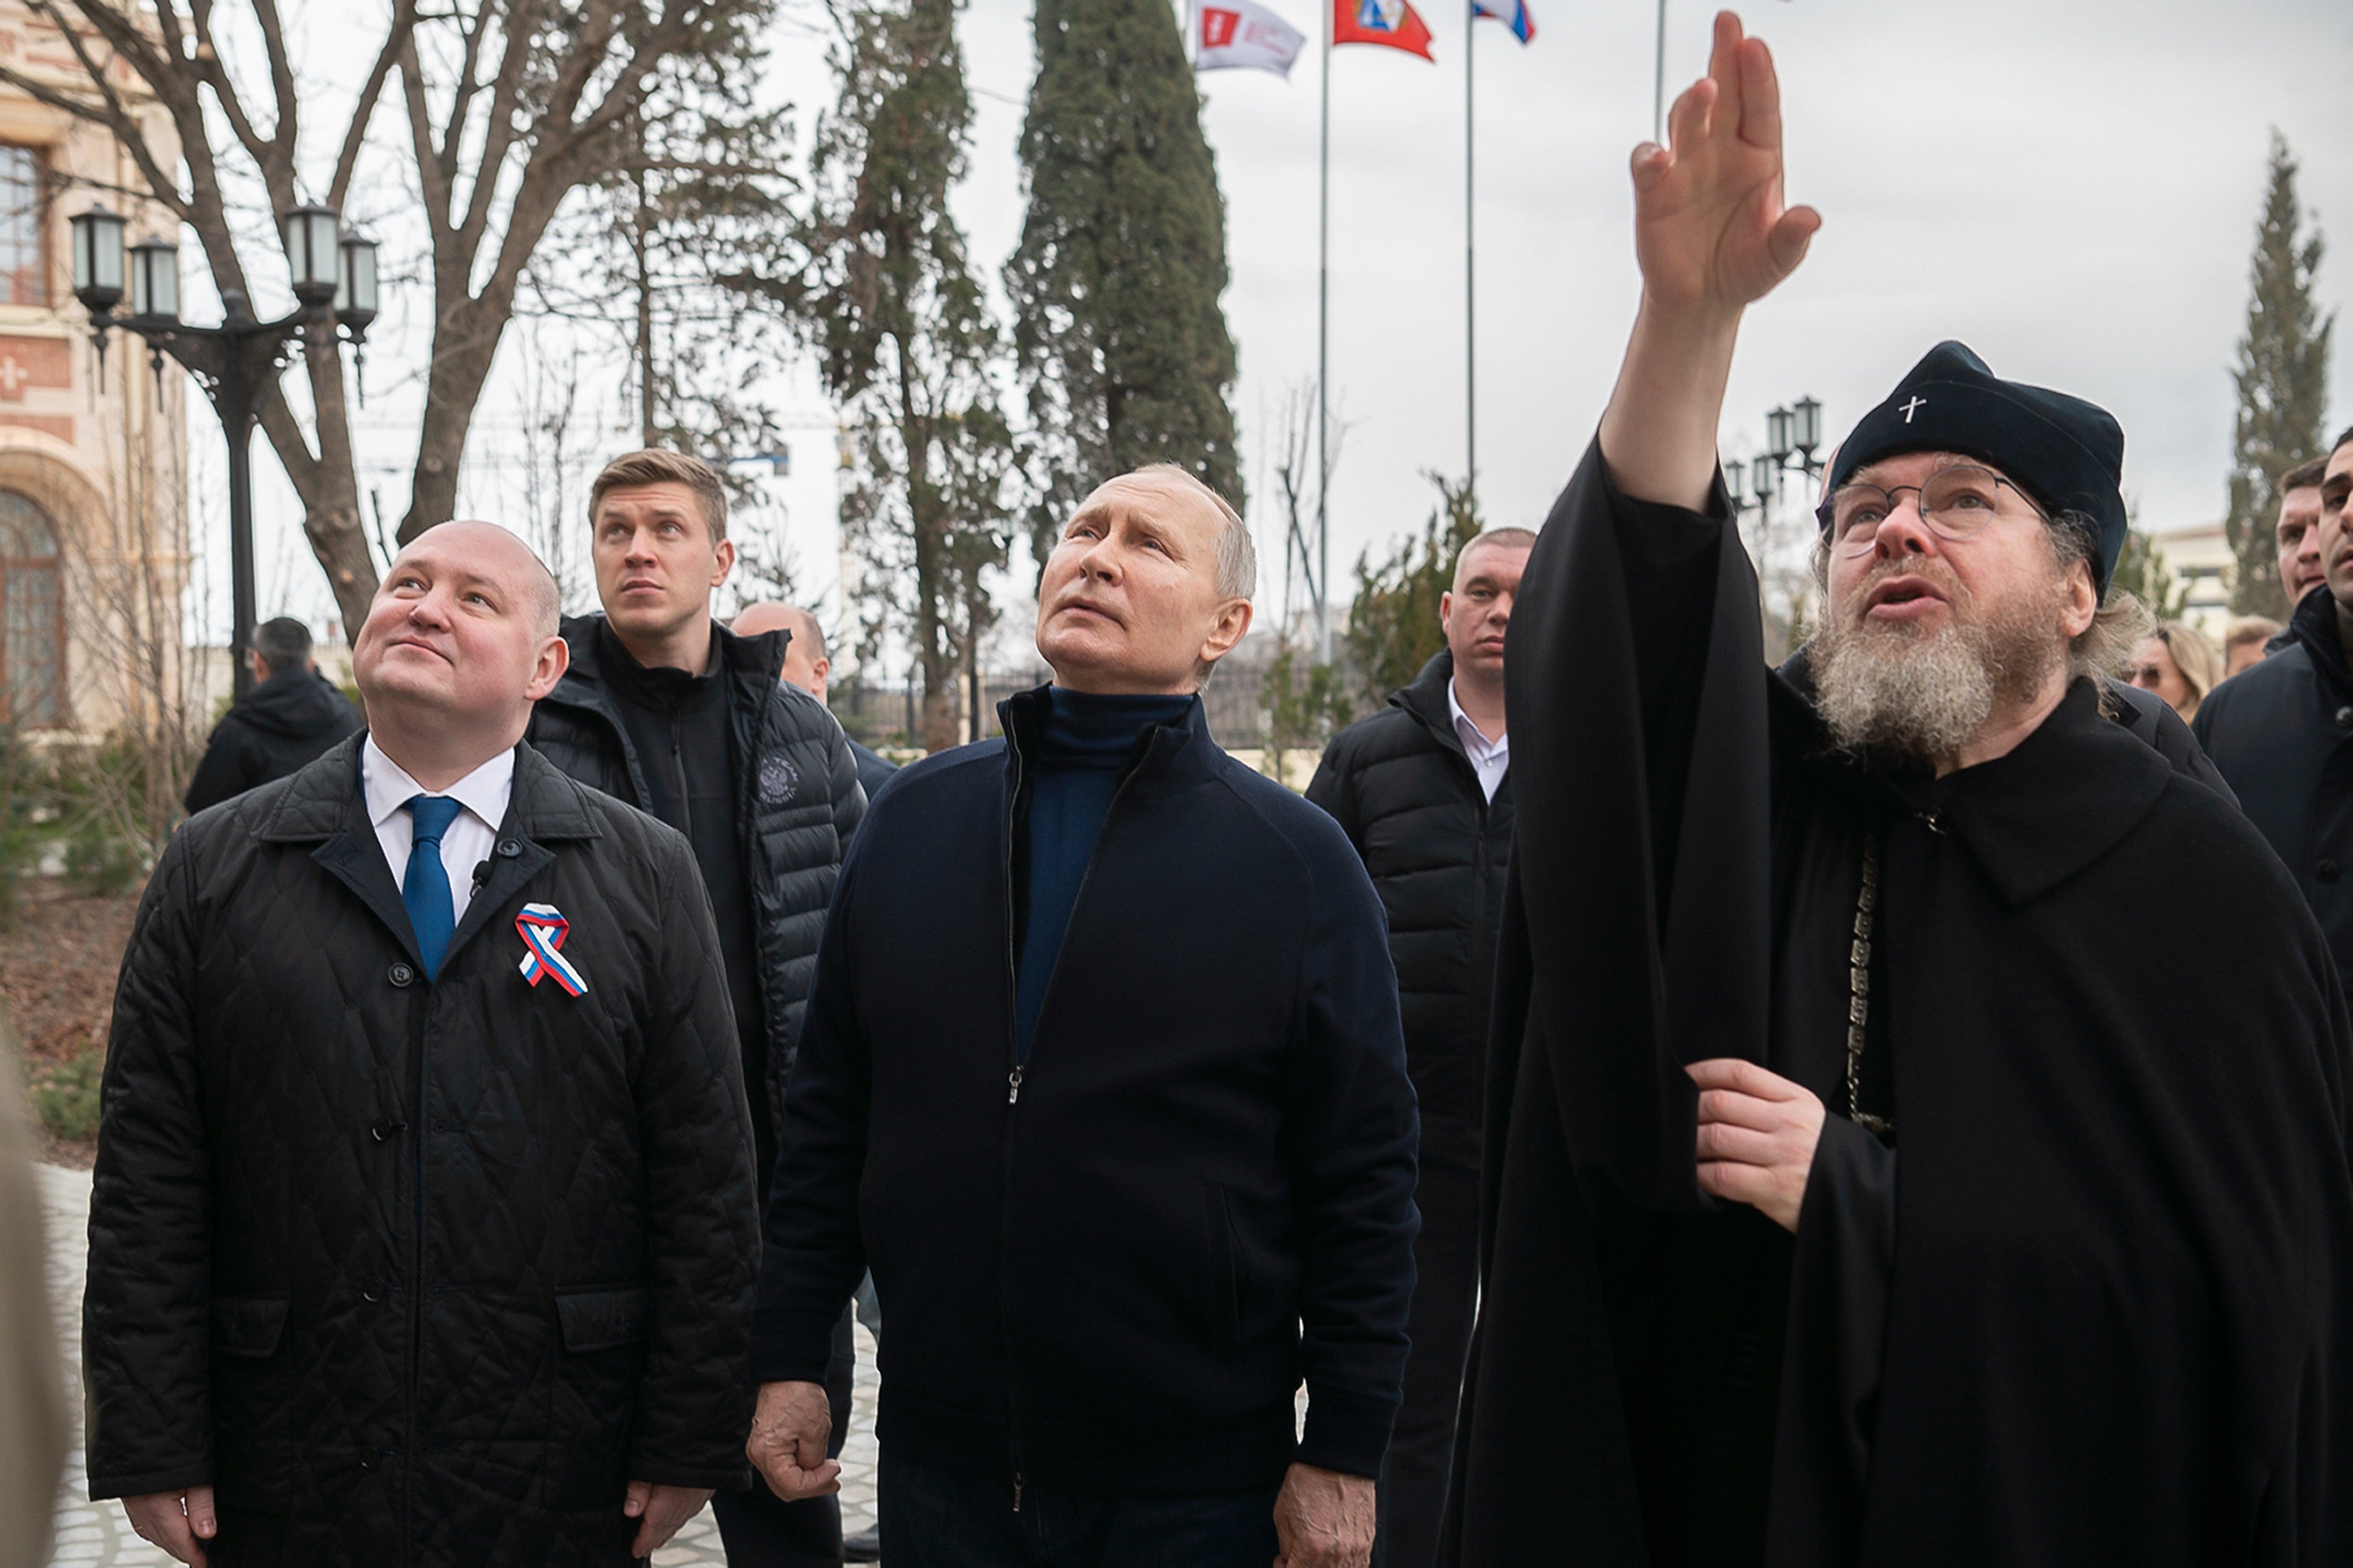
(355, 283)
(1809, 433)
(98, 259)
(313, 254)
(155, 279)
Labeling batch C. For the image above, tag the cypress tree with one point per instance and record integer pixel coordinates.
(1123, 349)
(2282, 376)
(909, 346)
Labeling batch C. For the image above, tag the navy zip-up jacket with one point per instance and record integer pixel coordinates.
(2282, 733)
(1112, 1266)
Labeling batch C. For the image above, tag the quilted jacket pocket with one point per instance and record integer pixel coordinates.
(603, 1320)
(248, 1325)
(595, 1395)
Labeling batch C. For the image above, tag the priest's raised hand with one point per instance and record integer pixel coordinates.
(1710, 228)
(1713, 237)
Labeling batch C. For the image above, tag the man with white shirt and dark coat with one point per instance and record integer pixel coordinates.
(1423, 790)
(666, 709)
(422, 1230)
(1859, 1191)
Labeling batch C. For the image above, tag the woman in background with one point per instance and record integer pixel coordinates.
(2177, 662)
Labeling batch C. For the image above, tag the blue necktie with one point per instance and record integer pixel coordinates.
(432, 912)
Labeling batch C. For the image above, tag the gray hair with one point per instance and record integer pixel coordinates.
(282, 643)
(2102, 649)
(1236, 551)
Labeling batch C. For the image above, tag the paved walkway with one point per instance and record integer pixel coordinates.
(96, 1533)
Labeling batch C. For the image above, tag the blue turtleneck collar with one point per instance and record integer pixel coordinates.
(1086, 744)
(1083, 729)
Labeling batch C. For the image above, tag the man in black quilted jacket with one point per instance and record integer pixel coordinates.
(1423, 790)
(666, 709)
(422, 1230)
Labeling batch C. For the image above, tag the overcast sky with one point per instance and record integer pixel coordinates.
(2070, 186)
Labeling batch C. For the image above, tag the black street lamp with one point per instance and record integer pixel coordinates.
(237, 362)
(1794, 433)
(1752, 484)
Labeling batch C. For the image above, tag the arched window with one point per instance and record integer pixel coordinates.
(32, 618)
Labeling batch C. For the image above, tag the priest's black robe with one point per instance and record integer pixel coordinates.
(2094, 1305)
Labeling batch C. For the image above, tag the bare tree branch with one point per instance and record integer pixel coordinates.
(277, 171)
(404, 23)
(498, 132)
(281, 80)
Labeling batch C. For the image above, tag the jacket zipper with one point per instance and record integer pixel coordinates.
(1012, 1099)
(1479, 886)
(1013, 1079)
(678, 766)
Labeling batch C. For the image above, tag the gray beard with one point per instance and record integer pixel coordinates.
(1918, 696)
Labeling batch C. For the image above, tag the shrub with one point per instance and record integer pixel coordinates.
(65, 1097)
(101, 861)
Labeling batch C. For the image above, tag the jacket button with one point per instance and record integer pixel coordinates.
(400, 974)
(371, 1294)
(2327, 870)
(2345, 718)
(385, 1129)
(508, 849)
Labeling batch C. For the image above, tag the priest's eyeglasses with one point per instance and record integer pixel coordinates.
(1955, 503)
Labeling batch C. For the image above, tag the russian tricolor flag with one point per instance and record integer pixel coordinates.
(1523, 25)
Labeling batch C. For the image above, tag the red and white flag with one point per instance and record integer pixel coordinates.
(1228, 34)
(1393, 23)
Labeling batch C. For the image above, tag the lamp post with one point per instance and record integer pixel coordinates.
(1792, 435)
(1752, 484)
(237, 362)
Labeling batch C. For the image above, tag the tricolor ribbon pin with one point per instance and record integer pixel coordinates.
(542, 930)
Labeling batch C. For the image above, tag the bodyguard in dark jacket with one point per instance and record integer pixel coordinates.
(807, 665)
(666, 709)
(1423, 790)
(795, 808)
(292, 715)
(2281, 732)
(1134, 1158)
(423, 1227)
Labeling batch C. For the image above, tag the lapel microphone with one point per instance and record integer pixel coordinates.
(482, 874)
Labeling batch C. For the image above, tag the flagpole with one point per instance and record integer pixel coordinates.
(1469, 259)
(1323, 351)
(1659, 82)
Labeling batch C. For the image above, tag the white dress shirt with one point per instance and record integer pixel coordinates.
(386, 790)
(1489, 759)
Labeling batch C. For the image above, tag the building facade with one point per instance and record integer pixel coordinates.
(94, 561)
(2197, 558)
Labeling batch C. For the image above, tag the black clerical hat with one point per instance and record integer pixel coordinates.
(2067, 453)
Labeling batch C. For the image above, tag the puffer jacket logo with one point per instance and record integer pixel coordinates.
(778, 779)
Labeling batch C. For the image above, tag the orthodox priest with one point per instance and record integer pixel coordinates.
(1860, 1193)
